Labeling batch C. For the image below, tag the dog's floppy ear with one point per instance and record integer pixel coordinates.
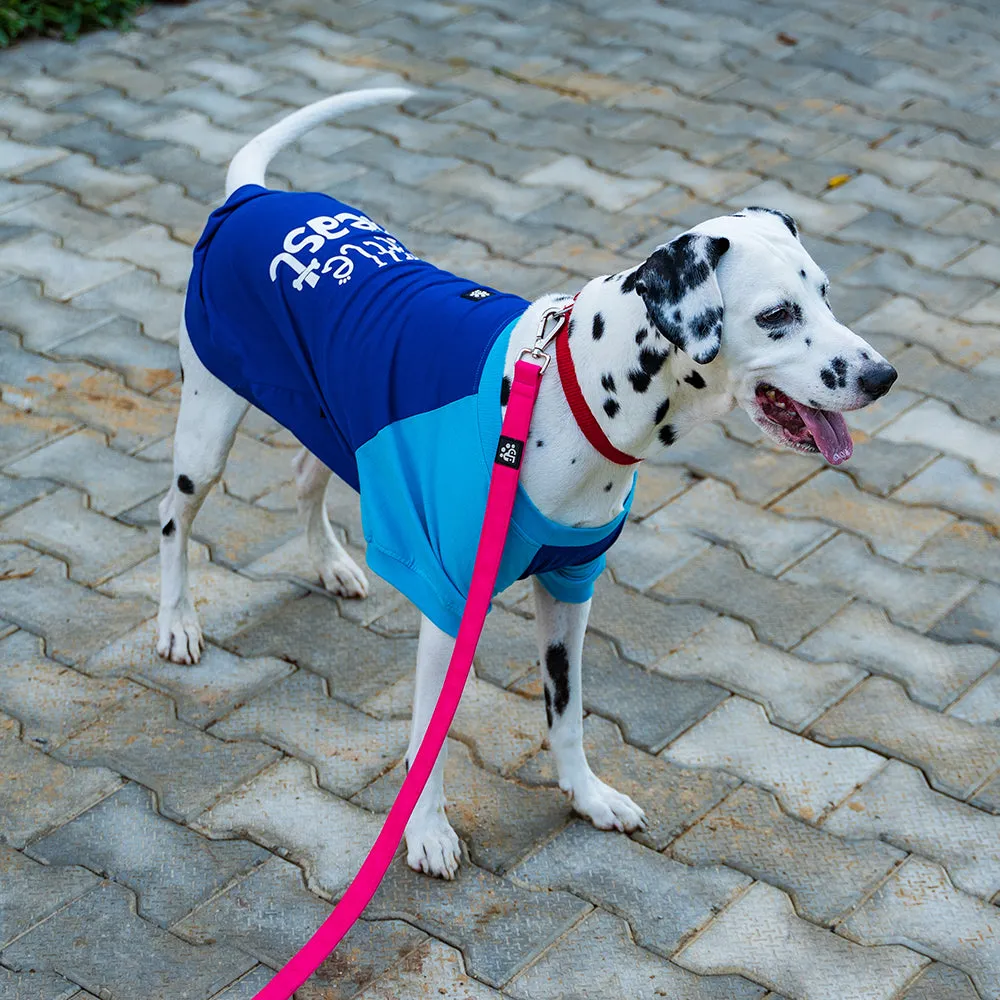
(679, 286)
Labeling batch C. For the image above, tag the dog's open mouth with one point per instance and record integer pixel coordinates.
(804, 428)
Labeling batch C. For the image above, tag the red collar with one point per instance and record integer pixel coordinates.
(585, 419)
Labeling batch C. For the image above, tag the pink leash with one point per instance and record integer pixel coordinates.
(499, 507)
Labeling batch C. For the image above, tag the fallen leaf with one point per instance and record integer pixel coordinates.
(838, 180)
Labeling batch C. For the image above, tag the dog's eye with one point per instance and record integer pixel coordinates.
(778, 316)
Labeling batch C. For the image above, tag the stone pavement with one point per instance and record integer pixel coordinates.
(793, 668)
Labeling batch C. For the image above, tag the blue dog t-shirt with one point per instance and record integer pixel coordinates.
(388, 369)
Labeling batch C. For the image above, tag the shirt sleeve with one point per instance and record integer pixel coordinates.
(573, 584)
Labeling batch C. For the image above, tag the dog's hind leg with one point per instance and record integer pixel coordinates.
(431, 844)
(337, 571)
(209, 414)
(561, 629)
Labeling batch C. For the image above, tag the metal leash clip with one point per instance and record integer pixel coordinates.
(537, 352)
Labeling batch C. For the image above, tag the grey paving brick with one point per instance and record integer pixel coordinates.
(665, 902)
(499, 926)
(897, 806)
(792, 691)
(189, 770)
(309, 632)
(761, 936)
(824, 875)
(963, 546)
(932, 672)
(248, 986)
(99, 942)
(31, 891)
(977, 618)
(31, 985)
(807, 778)
(500, 820)
(73, 620)
(42, 323)
(880, 229)
(269, 913)
(114, 481)
(282, 806)
(642, 556)
(81, 229)
(18, 158)
(919, 906)
(643, 629)
(942, 982)
(62, 272)
(92, 184)
(917, 599)
(879, 466)
(169, 868)
(599, 958)
(93, 546)
(780, 612)
(16, 493)
(38, 793)
(893, 531)
(348, 748)
(165, 203)
(956, 756)
(769, 542)
(52, 702)
(974, 396)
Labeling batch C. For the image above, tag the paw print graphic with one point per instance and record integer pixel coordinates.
(508, 454)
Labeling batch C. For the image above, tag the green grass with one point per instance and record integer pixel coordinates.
(62, 18)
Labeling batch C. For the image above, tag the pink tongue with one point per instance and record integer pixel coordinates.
(829, 431)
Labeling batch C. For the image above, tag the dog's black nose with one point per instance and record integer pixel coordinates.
(877, 380)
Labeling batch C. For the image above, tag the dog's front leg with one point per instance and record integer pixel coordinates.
(431, 843)
(561, 629)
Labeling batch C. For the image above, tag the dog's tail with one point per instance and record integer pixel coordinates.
(250, 163)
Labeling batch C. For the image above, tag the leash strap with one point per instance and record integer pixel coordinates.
(499, 507)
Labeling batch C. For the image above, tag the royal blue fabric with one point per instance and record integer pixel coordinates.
(388, 369)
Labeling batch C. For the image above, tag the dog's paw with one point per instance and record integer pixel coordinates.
(180, 639)
(343, 577)
(606, 808)
(432, 846)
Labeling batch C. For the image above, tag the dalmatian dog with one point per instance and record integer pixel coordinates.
(733, 312)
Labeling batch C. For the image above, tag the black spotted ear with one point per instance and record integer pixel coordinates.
(678, 283)
(787, 220)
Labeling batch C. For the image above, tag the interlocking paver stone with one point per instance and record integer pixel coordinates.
(141, 738)
(499, 926)
(956, 756)
(807, 778)
(963, 546)
(99, 942)
(38, 793)
(31, 985)
(779, 612)
(942, 982)
(824, 875)
(769, 542)
(665, 902)
(792, 691)
(599, 958)
(976, 619)
(951, 484)
(894, 531)
(432, 962)
(920, 907)
(898, 806)
(52, 702)
(30, 891)
(932, 672)
(912, 598)
(761, 936)
(269, 914)
(169, 868)
(348, 748)
(282, 806)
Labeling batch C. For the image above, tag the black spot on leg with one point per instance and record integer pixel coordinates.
(695, 380)
(608, 382)
(168, 528)
(802, 274)
(505, 390)
(548, 706)
(809, 341)
(539, 443)
(607, 489)
(611, 406)
(182, 374)
(661, 412)
(572, 461)
(640, 336)
(667, 435)
(557, 665)
(598, 326)
(185, 485)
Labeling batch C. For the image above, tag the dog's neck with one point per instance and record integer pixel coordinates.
(643, 392)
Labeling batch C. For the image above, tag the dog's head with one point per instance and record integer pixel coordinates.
(740, 292)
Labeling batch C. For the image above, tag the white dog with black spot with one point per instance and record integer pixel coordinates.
(394, 374)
